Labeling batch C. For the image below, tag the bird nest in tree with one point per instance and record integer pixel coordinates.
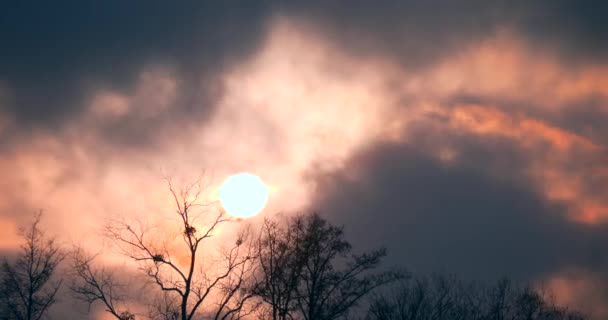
(190, 230)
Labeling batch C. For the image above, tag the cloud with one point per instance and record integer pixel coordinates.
(418, 33)
(580, 288)
(57, 54)
(477, 215)
(274, 115)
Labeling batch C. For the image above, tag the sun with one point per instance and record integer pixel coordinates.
(243, 195)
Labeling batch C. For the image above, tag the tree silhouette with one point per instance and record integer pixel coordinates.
(445, 298)
(91, 284)
(281, 266)
(28, 289)
(308, 270)
(165, 307)
(188, 283)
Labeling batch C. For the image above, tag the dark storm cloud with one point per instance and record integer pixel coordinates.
(55, 53)
(576, 29)
(413, 32)
(417, 33)
(478, 216)
(52, 50)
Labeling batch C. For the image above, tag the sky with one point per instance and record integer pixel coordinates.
(468, 137)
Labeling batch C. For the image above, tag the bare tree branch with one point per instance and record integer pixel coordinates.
(91, 285)
(307, 271)
(28, 289)
(186, 288)
(441, 297)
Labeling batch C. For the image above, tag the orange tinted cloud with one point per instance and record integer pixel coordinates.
(8, 236)
(505, 67)
(579, 288)
(552, 151)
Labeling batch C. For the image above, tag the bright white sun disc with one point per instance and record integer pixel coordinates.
(243, 195)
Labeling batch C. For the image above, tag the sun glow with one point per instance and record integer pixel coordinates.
(243, 195)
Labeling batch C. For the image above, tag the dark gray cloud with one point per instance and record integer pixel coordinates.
(55, 54)
(417, 33)
(574, 28)
(479, 216)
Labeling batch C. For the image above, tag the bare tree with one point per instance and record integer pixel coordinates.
(237, 288)
(189, 282)
(308, 270)
(90, 284)
(165, 307)
(28, 289)
(445, 298)
(333, 280)
(280, 266)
